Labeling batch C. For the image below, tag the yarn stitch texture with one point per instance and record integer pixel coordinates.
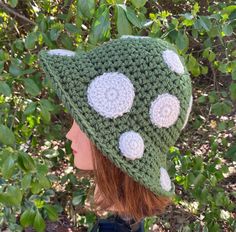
(142, 62)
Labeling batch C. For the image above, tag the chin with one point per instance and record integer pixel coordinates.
(79, 166)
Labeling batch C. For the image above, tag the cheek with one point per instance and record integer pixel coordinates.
(83, 159)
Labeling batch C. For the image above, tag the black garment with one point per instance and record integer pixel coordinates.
(114, 223)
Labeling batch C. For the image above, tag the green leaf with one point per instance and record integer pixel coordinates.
(196, 8)
(213, 97)
(54, 34)
(100, 29)
(5, 89)
(31, 40)
(18, 44)
(39, 203)
(43, 25)
(13, 3)
(44, 103)
(202, 99)
(39, 223)
(205, 22)
(198, 181)
(67, 41)
(7, 137)
(138, 3)
(215, 31)
(232, 16)
(15, 69)
(229, 9)
(72, 28)
(50, 153)
(204, 70)
(193, 65)
(223, 67)
(221, 108)
(1, 66)
(26, 181)
(12, 197)
(78, 197)
(232, 89)
(42, 169)
(27, 218)
(8, 167)
(47, 40)
(234, 73)
(35, 187)
(86, 8)
(51, 212)
(182, 40)
(132, 17)
(25, 161)
(31, 87)
(44, 181)
(30, 108)
(123, 25)
(77, 200)
(211, 56)
(227, 29)
(231, 153)
(46, 116)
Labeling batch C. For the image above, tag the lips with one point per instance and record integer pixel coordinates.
(74, 151)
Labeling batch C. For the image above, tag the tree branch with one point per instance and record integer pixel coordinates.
(16, 14)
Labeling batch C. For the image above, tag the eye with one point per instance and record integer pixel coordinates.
(164, 110)
(131, 145)
(173, 61)
(61, 52)
(188, 112)
(165, 179)
(111, 94)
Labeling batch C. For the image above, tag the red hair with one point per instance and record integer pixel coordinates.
(118, 190)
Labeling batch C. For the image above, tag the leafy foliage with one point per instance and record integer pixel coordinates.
(31, 116)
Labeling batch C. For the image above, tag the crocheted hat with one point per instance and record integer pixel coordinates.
(132, 97)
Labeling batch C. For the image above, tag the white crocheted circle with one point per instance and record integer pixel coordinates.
(164, 110)
(188, 112)
(61, 52)
(173, 61)
(165, 179)
(134, 37)
(131, 145)
(111, 94)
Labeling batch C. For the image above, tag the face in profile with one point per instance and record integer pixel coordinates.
(81, 147)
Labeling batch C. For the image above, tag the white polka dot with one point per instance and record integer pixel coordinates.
(131, 145)
(188, 112)
(164, 110)
(61, 52)
(165, 179)
(173, 61)
(134, 37)
(111, 94)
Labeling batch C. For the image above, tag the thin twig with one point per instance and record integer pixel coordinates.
(13, 12)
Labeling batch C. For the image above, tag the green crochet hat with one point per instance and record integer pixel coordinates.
(132, 97)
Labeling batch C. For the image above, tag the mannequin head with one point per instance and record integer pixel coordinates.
(117, 191)
(81, 146)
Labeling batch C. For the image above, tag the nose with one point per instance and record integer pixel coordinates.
(68, 135)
